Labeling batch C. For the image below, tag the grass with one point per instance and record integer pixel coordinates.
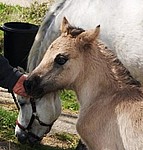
(7, 124)
(34, 15)
(69, 100)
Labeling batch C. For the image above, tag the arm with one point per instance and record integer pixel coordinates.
(11, 78)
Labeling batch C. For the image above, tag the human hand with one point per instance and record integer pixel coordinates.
(19, 88)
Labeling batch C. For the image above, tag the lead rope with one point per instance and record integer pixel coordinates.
(15, 100)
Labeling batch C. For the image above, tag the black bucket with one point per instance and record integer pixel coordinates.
(18, 39)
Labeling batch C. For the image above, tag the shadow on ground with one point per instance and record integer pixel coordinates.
(7, 145)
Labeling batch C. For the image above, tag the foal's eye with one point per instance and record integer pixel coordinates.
(61, 59)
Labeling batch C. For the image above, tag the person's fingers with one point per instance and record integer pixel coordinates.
(19, 88)
(20, 91)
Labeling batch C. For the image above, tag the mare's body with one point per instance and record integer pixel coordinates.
(121, 22)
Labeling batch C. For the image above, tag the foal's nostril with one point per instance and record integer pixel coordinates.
(22, 137)
(27, 85)
(31, 84)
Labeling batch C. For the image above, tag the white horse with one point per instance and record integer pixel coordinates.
(121, 22)
(122, 31)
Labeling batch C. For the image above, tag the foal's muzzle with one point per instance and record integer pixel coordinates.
(32, 87)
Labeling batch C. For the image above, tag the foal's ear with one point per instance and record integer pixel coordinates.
(65, 26)
(94, 33)
(89, 36)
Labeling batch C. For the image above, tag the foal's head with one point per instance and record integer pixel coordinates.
(62, 64)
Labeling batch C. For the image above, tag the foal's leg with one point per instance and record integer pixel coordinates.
(81, 146)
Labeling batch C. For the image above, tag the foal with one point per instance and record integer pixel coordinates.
(111, 112)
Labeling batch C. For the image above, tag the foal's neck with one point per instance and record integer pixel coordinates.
(103, 74)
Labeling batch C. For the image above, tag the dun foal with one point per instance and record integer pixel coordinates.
(111, 112)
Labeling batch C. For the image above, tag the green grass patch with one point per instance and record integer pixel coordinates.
(68, 138)
(7, 124)
(69, 100)
(33, 14)
(65, 137)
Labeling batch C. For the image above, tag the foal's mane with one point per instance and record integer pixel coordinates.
(121, 74)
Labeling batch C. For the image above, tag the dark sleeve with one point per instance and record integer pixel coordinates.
(8, 75)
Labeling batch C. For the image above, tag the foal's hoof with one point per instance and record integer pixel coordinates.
(81, 146)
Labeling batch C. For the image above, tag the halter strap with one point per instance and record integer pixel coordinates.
(33, 113)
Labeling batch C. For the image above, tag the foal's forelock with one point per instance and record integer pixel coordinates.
(74, 31)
